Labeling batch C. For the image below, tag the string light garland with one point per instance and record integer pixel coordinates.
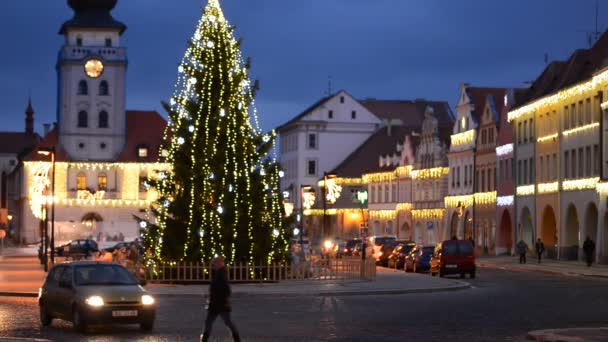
(581, 129)
(504, 150)
(432, 173)
(525, 190)
(547, 138)
(379, 177)
(464, 138)
(580, 184)
(403, 207)
(382, 214)
(505, 201)
(428, 214)
(485, 198)
(344, 182)
(548, 188)
(455, 201)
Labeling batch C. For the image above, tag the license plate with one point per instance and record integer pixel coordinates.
(451, 266)
(124, 313)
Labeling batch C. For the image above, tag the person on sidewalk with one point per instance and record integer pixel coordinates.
(522, 249)
(540, 248)
(589, 249)
(219, 291)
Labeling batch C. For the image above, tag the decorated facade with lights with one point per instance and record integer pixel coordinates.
(559, 143)
(104, 156)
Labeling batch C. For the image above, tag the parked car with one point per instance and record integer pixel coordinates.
(385, 251)
(77, 247)
(349, 248)
(397, 257)
(86, 292)
(126, 244)
(419, 259)
(453, 257)
(375, 244)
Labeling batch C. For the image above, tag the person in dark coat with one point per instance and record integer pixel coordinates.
(540, 248)
(522, 249)
(219, 305)
(589, 249)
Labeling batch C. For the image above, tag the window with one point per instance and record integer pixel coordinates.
(566, 118)
(102, 146)
(588, 114)
(330, 114)
(466, 173)
(554, 166)
(83, 88)
(81, 181)
(394, 193)
(566, 165)
(531, 171)
(548, 171)
(108, 42)
(143, 184)
(531, 135)
(573, 164)
(312, 141)
(104, 89)
(581, 163)
(596, 109)
(483, 137)
(353, 114)
(79, 41)
(483, 180)
(519, 133)
(525, 180)
(386, 193)
(142, 152)
(542, 169)
(453, 177)
(103, 119)
(458, 176)
(493, 179)
(519, 174)
(596, 157)
(588, 161)
(573, 115)
(525, 131)
(102, 182)
(491, 139)
(83, 119)
(312, 168)
(341, 99)
(581, 116)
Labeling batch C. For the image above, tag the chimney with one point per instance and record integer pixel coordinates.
(29, 118)
(47, 129)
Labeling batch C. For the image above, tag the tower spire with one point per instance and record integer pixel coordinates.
(29, 117)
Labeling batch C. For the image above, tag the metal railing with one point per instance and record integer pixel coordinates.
(316, 270)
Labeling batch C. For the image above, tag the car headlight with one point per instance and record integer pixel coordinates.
(147, 300)
(95, 301)
(328, 244)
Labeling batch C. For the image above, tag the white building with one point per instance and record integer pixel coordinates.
(104, 154)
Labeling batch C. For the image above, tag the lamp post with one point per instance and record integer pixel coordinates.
(362, 198)
(303, 189)
(46, 151)
(326, 176)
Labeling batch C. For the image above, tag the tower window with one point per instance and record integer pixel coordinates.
(341, 99)
(81, 181)
(83, 119)
(103, 119)
(102, 146)
(330, 114)
(83, 88)
(102, 182)
(79, 41)
(353, 114)
(108, 42)
(104, 88)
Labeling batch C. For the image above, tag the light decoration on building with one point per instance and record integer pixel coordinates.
(602, 188)
(404, 171)
(604, 105)
(39, 178)
(309, 199)
(548, 188)
(382, 214)
(463, 138)
(288, 206)
(485, 198)
(525, 190)
(504, 150)
(379, 177)
(333, 191)
(505, 201)
(595, 83)
(343, 182)
(547, 137)
(580, 129)
(456, 201)
(433, 173)
(580, 184)
(87, 195)
(332, 212)
(403, 207)
(428, 214)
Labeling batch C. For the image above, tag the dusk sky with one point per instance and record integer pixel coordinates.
(386, 49)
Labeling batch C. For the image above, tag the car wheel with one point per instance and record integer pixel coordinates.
(79, 323)
(146, 325)
(45, 318)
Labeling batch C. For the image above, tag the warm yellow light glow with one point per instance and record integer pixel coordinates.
(548, 188)
(404, 171)
(455, 201)
(580, 129)
(332, 212)
(580, 184)
(485, 198)
(428, 214)
(309, 199)
(44, 153)
(463, 138)
(403, 206)
(382, 214)
(525, 190)
(344, 182)
(602, 188)
(333, 191)
(433, 173)
(379, 177)
(547, 137)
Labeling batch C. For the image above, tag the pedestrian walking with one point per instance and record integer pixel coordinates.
(540, 248)
(522, 249)
(219, 305)
(589, 249)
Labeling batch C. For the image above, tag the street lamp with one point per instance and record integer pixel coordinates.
(362, 197)
(50, 151)
(326, 176)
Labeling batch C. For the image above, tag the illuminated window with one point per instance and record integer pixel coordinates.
(143, 184)
(102, 182)
(81, 181)
(142, 152)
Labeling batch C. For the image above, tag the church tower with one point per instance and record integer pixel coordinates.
(91, 83)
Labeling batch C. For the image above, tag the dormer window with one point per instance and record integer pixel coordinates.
(330, 114)
(142, 152)
(341, 99)
(108, 42)
(78, 41)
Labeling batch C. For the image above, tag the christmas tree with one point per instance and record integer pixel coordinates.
(221, 195)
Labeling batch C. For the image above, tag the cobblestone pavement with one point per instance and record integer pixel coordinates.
(501, 306)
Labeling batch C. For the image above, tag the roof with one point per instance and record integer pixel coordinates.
(410, 112)
(305, 112)
(92, 14)
(18, 143)
(148, 135)
(479, 95)
(580, 66)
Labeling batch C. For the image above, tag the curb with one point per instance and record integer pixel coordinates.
(21, 339)
(545, 271)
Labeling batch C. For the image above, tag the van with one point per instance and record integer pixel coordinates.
(375, 243)
(453, 257)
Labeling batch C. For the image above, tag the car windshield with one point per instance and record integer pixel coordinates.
(466, 248)
(383, 240)
(103, 274)
(450, 249)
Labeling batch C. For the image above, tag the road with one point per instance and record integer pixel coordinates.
(501, 306)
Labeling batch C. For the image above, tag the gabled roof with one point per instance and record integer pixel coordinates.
(558, 75)
(144, 129)
(49, 141)
(17, 142)
(305, 112)
(478, 96)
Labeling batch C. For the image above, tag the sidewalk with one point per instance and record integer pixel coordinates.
(387, 282)
(569, 268)
(570, 335)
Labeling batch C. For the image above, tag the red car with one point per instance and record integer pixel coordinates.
(453, 257)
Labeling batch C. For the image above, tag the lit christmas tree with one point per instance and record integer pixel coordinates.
(221, 196)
